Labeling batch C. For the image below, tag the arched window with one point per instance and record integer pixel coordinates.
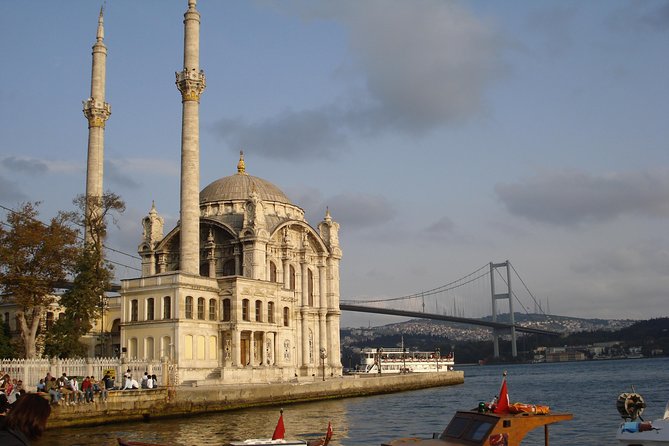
(310, 285)
(134, 310)
(213, 347)
(272, 272)
(226, 310)
(212, 309)
(286, 316)
(245, 310)
(229, 268)
(270, 312)
(189, 307)
(200, 308)
(291, 285)
(149, 309)
(49, 320)
(132, 348)
(149, 349)
(258, 311)
(167, 307)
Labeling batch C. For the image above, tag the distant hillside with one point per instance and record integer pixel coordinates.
(472, 343)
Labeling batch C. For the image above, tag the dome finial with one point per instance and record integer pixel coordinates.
(241, 168)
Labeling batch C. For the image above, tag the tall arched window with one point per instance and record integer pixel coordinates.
(132, 348)
(226, 310)
(229, 268)
(245, 310)
(167, 307)
(200, 308)
(270, 312)
(272, 271)
(134, 310)
(291, 285)
(310, 285)
(258, 311)
(286, 316)
(150, 309)
(189, 307)
(212, 309)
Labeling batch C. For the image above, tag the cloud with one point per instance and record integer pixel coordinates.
(642, 16)
(441, 228)
(423, 64)
(10, 192)
(572, 197)
(116, 173)
(304, 134)
(25, 165)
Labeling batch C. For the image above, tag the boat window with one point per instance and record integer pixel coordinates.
(456, 427)
(478, 430)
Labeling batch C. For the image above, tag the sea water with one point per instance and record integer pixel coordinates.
(587, 389)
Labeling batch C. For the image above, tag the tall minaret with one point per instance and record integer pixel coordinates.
(191, 83)
(97, 112)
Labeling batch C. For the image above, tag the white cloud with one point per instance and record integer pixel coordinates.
(574, 197)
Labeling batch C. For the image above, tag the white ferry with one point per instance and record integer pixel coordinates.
(397, 360)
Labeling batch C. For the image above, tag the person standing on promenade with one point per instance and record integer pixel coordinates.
(26, 422)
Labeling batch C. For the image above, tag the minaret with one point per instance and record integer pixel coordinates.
(97, 112)
(191, 84)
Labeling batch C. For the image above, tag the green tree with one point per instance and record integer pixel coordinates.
(84, 303)
(34, 259)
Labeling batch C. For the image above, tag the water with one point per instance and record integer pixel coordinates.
(586, 389)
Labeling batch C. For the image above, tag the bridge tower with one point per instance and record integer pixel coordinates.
(496, 332)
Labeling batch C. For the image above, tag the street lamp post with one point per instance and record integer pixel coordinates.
(380, 352)
(437, 354)
(323, 356)
(404, 360)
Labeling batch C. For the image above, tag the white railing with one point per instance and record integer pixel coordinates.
(30, 371)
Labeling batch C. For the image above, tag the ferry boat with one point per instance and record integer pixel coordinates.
(399, 360)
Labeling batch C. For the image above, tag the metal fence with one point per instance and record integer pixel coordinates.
(30, 371)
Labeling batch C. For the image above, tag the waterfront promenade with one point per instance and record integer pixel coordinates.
(130, 405)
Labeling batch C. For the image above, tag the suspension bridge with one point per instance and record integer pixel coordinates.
(492, 281)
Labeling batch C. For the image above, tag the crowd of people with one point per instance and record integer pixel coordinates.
(23, 415)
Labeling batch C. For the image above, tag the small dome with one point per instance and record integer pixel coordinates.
(239, 187)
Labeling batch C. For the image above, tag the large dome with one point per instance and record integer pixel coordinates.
(239, 187)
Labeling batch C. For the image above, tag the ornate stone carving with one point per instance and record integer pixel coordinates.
(97, 112)
(191, 84)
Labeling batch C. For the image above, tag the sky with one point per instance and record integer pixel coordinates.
(442, 135)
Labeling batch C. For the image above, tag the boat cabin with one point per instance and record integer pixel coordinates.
(473, 428)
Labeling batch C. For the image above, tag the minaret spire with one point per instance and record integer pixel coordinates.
(96, 111)
(191, 83)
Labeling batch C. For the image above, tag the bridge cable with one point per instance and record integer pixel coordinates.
(446, 287)
(528, 290)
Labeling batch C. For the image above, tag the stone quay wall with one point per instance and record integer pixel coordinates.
(133, 405)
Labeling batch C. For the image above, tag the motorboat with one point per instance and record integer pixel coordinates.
(279, 434)
(634, 431)
(277, 439)
(497, 423)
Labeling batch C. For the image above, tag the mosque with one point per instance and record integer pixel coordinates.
(243, 289)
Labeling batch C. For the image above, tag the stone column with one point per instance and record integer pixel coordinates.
(191, 83)
(252, 349)
(236, 347)
(264, 349)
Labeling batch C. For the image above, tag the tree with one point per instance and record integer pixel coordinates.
(84, 303)
(34, 259)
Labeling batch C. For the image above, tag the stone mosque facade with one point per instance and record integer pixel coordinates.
(243, 289)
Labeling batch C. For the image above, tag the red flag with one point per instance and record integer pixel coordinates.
(280, 429)
(328, 435)
(503, 400)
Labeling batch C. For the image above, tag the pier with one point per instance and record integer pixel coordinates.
(165, 402)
